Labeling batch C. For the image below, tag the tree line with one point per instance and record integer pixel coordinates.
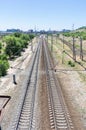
(77, 34)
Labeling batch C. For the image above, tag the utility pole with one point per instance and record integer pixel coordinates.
(63, 52)
(31, 45)
(35, 29)
(81, 50)
(56, 39)
(63, 42)
(74, 52)
(47, 38)
(73, 27)
(52, 43)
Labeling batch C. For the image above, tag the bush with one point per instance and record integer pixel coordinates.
(71, 63)
(3, 57)
(4, 65)
(31, 36)
(0, 45)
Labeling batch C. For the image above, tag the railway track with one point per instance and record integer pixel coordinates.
(59, 116)
(24, 115)
(27, 115)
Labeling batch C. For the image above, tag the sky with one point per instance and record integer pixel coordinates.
(42, 14)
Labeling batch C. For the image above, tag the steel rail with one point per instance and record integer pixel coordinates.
(60, 114)
(24, 114)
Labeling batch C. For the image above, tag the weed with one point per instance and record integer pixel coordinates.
(71, 63)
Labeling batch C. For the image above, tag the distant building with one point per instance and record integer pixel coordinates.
(30, 31)
(13, 30)
(66, 30)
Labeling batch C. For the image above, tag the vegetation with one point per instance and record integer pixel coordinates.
(71, 63)
(3, 57)
(77, 34)
(4, 65)
(14, 45)
(83, 27)
(0, 45)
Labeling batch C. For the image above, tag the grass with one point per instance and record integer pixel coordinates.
(72, 64)
(69, 63)
(82, 76)
(58, 52)
(77, 46)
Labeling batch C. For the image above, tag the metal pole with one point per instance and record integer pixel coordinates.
(47, 38)
(63, 52)
(81, 50)
(51, 43)
(31, 45)
(56, 39)
(74, 53)
(63, 43)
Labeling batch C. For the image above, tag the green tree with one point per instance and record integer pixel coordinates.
(0, 45)
(31, 36)
(25, 37)
(17, 34)
(16, 42)
(4, 65)
(3, 57)
(10, 46)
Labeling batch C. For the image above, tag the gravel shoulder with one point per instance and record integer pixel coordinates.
(74, 95)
